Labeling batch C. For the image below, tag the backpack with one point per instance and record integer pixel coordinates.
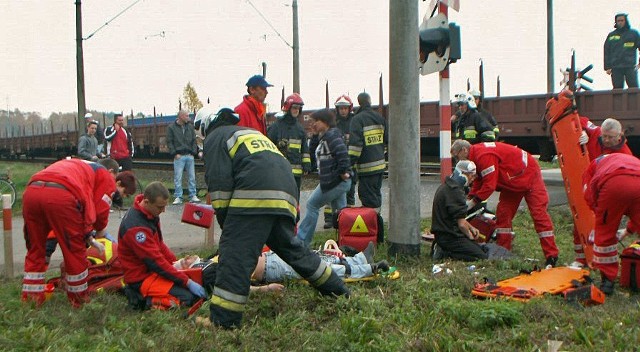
(359, 226)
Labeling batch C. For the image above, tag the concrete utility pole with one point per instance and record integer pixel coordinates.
(296, 49)
(404, 129)
(550, 54)
(80, 65)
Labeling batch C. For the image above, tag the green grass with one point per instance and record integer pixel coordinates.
(418, 312)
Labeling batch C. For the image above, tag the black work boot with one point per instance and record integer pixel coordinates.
(606, 286)
(551, 262)
(382, 265)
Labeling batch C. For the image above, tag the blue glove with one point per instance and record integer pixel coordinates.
(196, 289)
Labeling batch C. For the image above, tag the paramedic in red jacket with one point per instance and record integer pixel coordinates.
(599, 140)
(71, 197)
(515, 174)
(146, 260)
(612, 189)
(605, 139)
(252, 110)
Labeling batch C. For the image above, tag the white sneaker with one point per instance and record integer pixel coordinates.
(576, 265)
(194, 199)
(177, 201)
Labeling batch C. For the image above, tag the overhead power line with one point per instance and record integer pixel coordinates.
(111, 20)
(270, 25)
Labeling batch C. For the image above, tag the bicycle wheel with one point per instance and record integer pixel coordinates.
(7, 188)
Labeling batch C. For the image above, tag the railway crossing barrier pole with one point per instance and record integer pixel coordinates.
(209, 235)
(445, 115)
(8, 236)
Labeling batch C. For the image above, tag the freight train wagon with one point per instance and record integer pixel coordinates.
(520, 119)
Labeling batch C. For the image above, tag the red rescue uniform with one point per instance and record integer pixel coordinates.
(148, 262)
(515, 174)
(612, 189)
(72, 198)
(595, 148)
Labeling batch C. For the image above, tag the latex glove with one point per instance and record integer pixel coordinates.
(97, 245)
(470, 203)
(621, 234)
(196, 289)
(584, 138)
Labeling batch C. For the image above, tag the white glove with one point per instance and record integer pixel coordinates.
(584, 138)
(97, 245)
(622, 233)
(592, 236)
(470, 203)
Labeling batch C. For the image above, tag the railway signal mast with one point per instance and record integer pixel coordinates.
(440, 46)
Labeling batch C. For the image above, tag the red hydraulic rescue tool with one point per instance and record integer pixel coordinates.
(563, 118)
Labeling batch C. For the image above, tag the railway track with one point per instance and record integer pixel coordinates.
(426, 168)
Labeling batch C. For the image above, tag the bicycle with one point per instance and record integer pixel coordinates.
(8, 187)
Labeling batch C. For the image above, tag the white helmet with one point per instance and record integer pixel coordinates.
(468, 99)
(203, 119)
(475, 93)
(466, 167)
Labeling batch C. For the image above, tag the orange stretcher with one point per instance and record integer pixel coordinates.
(573, 158)
(536, 284)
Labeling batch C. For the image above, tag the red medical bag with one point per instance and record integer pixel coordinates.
(630, 275)
(198, 214)
(485, 222)
(357, 227)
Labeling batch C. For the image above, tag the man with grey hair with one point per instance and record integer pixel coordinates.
(606, 139)
(181, 140)
(454, 235)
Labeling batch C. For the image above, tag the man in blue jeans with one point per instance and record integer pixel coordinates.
(334, 169)
(181, 140)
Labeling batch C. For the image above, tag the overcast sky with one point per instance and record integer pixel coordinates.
(145, 57)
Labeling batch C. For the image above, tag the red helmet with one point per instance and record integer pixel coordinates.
(293, 99)
(344, 100)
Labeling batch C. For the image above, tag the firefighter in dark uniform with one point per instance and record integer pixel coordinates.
(254, 194)
(454, 236)
(147, 261)
(471, 126)
(477, 96)
(289, 135)
(367, 143)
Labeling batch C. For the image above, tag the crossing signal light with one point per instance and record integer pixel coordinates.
(579, 76)
(439, 44)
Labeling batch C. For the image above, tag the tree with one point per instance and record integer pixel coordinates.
(190, 99)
